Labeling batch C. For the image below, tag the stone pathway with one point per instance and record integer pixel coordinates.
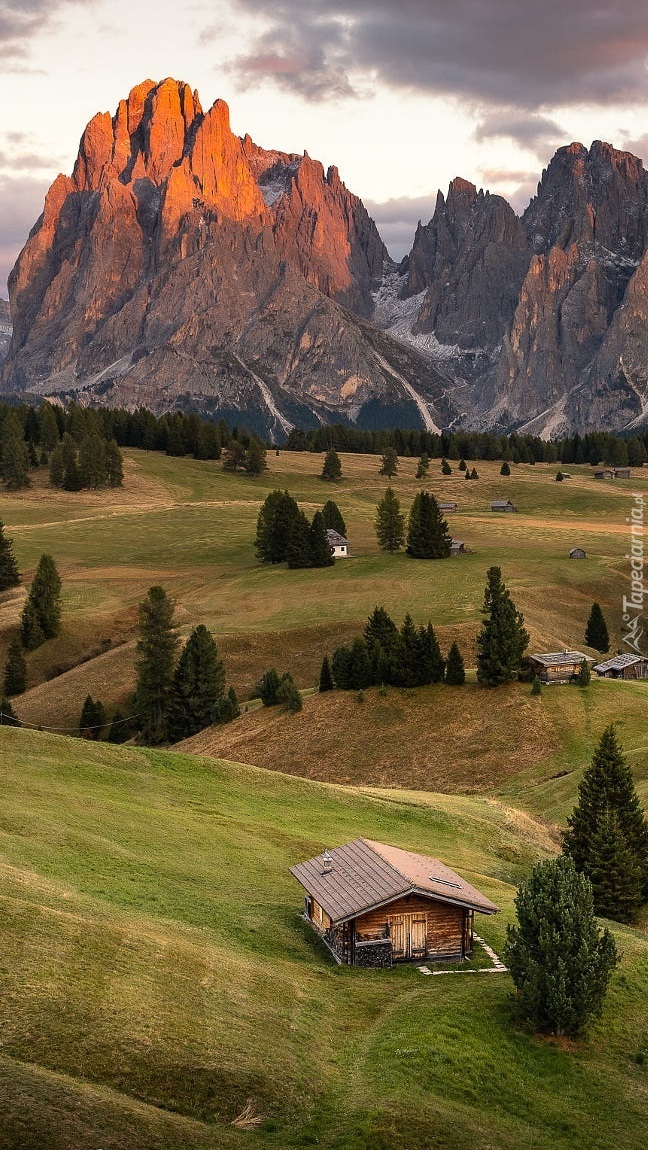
(497, 967)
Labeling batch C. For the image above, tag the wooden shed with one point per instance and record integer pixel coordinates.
(375, 904)
(558, 666)
(503, 505)
(458, 547)
(450, 506)
(577, 553)
(605, 473)
(625, 666)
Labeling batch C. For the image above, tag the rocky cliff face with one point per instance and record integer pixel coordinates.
(540, 319)
(5, 328)
(182, 266)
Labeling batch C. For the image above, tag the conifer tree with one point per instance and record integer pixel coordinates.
(14, 455)
(274, 525)
(299, 552)
(502, 640)
(326, 678)
(455, 673)
(93, 718)
(536, 686)
(255, 457)
(445, 467)
(93, 466)
(198, 684)
(613, 871)
(320, 550)
(584, 674)
(341, 669)
(8, 717)
(360, 670)
(410, 669)
(268, 687)
(462, 465)
(49, 432)
(431, 660)
(156, 649)
(390, 523)
(389, 463)
(383, 645)
(332, 468)
(15, 672)
(596, 632)
(57, 466)
(423, 466)
(473, 473)
(71, 474)
(559, 960)
(119, 730)
(9, 574)
(607, 787)
(41, 616)
(114, 464)
(505, 469)
(227, 708)
(288, 694)
(333, 517)
(427, 533)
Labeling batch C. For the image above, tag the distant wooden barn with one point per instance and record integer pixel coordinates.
(577, 553)
(375, 904)
(558, 666)
(605, 473)
(503, 505)
(458, 547)
(625, 666)
(448, 507)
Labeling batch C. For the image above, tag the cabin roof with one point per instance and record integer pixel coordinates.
(334, 537)
(618, 662)
(559, 658)
(365, 874)
(501, 503)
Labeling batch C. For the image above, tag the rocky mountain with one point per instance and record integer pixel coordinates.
(181, 266)
(540, 321)
(5, 328)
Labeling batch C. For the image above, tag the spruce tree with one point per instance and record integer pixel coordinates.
(332, 468)
(114, 464)
(502, 640)
(93, 718)
(325, 678)
(41, 616)
(431, 661)
(156, 649)
(71, 475)
(119, 730)
(389, 463)
(49, 432)
(596, 632)
(445, 467)
(423, 466)
(333, 517)
(410, 669)
(390, 523)
(613, 871)
(9, 574)
(14, 455)
(8, 717)
(299, 552)
(360, 669)
(198, 684)
(559, 960)
(341, 669)
(255, 457)
(473, 473)
(584, 674)
(462, 465)
(455, 673)
(93, 465)
(427, 534)
(383, 645)
(320, 550)
(268, 687)
(607, 787)
(288, 694)
(274, 525)
(536, 686)
(15, 672)
(505, 469)
(57, 466)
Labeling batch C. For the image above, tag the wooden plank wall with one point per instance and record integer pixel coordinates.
(444, 925)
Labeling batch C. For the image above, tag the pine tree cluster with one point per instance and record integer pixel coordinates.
(502, 640)
(405, 657)
(284, 534)
(275, 690)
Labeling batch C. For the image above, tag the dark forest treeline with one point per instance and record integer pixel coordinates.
(179, 433)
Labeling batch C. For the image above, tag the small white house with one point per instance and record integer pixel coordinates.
(338, 544)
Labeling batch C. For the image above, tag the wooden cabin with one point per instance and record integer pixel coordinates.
(458, 547)
(622, 473)
(605, 473)
(338, 544)
(558, 666)
(577, 553)
(503, 505)
(374, 905)
(451, 506)
(625, 666)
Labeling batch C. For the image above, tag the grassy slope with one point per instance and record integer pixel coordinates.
(190, 526)
(156, 975)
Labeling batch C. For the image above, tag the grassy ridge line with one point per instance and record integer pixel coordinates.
(152, 946)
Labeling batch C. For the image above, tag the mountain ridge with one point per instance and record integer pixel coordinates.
(183, 266)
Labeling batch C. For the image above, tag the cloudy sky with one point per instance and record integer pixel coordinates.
(402, 95)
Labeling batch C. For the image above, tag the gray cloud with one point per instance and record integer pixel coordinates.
(20, 20)
(21, 203)
(537, 133)
(495, 52)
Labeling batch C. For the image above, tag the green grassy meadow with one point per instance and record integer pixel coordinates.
(158, 988)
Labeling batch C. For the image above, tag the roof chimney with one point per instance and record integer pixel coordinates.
(327, 863)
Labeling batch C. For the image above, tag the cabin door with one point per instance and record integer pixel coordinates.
(408, 933)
